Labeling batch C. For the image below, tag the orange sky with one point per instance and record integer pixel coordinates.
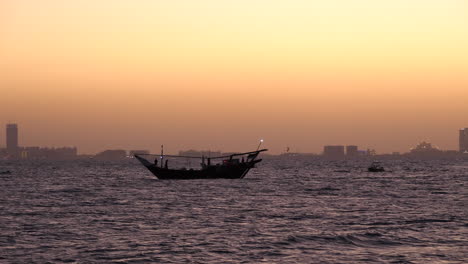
(218, 74)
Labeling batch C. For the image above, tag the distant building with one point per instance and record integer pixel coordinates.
(363, 153)
(334, 152)
(117, 154)
(12, 139)
(13, 151)
(37, 153)
(425, 149)
(352, 151)
(463, 140)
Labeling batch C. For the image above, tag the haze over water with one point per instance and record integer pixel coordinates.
(220, 75)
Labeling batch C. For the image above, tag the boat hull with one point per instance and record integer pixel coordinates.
(231, 171)
(215, 172)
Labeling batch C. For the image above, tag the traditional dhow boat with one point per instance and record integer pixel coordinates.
(234, 166)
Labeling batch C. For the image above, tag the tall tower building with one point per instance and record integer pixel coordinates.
(12, 138)
(463, 140)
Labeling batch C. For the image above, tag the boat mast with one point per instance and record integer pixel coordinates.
(259, 144)
(162, 155)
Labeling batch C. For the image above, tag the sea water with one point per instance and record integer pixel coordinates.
(285, 211)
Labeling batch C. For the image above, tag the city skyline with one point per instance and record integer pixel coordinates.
(224, 74)
(12, 139)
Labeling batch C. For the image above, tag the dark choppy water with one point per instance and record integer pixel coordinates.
(283, 212)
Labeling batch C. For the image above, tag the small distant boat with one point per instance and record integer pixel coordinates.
(376, 167)
(5, 172)
(234, 166)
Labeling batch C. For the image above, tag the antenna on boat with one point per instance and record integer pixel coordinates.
(259, 144)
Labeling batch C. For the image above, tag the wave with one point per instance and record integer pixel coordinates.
(367, 239)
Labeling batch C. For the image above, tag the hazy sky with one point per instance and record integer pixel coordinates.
(219, 74)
